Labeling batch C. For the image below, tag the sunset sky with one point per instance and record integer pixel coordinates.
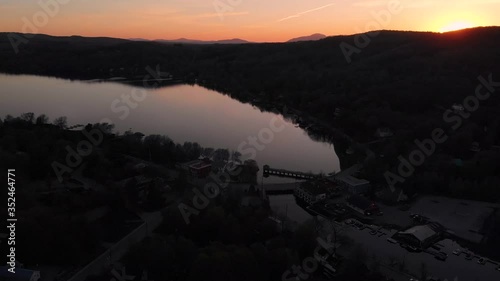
(253, 20)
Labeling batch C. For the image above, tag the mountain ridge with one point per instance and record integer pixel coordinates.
(312, 37)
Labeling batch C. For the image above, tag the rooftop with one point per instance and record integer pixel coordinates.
(352, 181)
(200, 164)
(195, 161)
(421, 232)
(314, 187)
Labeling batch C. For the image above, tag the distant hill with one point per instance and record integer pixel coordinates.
(400, 80)
(201, 42)
(48, 39)
(139, 39)
(313, 37)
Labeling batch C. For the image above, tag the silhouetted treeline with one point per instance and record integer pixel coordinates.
(33, 145)
(404, 81)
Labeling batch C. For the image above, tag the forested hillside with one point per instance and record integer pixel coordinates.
(404, 81)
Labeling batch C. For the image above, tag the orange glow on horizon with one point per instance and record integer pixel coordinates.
(255, 21)
(457, 25)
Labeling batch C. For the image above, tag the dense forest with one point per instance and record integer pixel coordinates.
(33, 144)
(404, 81)
(228, 240)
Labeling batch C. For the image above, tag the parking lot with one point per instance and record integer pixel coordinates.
(464, 217)
(374, 240)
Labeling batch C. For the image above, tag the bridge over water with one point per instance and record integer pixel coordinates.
(279, 188)
(268, 171)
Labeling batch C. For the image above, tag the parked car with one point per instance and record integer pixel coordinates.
(441, 256)
(419, 218)
(359, 226)
(349, 222)
(392, 241)
(373, 232)
(468, 256)
(414, 215)
(481, 261)
(412, 248)
(457, 252)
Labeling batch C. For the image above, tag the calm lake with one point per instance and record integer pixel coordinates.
(181, 112)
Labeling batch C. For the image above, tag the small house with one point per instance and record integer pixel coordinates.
(310, 192)
(384, 133)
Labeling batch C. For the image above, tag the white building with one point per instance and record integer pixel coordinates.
(421, 236)
(310, 192)
(353, 184)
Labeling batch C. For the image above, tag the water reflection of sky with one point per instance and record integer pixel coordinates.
(184, 113)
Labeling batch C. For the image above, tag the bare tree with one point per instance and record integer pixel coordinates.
(106, 128)
(330, 227)
(42, 119)
(61, 122)
(8, 118)
(28, 117)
